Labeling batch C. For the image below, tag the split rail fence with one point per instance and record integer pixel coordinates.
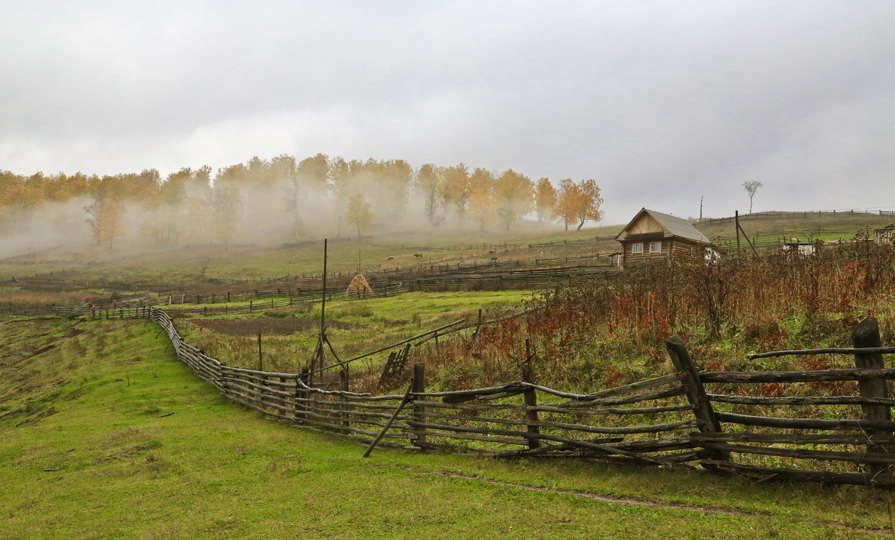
(669, 420)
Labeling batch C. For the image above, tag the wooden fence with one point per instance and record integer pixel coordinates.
(669, 420)
(795, 215)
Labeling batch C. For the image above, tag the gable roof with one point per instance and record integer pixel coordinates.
(674, 226)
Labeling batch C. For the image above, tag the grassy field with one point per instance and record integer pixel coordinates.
(103, 434)
(369, 325)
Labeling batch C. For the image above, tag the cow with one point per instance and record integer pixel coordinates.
(418, 255)
(391, 258)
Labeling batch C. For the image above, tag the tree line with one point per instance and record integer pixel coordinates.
(198, 205)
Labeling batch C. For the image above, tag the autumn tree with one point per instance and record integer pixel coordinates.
(567, 202)
(578, 202)
(482, 208)
(513, 193)
(545, 199)
(359, 213)
(19, 198)
(590, 206)
(226, 213)
(106, 215)
(454, 188)
(481, 179)
(428, 182)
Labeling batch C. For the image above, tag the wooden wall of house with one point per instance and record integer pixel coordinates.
(670, 245)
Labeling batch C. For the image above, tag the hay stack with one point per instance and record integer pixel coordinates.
(359, 286)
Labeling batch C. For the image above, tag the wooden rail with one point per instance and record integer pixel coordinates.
(669, 420)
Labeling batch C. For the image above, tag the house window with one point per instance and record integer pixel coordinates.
(637, 247)
(655, 247)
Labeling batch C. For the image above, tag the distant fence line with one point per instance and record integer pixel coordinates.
(793, 215)
(497, 275)
(668, 420)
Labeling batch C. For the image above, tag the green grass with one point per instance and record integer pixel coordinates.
(153, 264)
(379, 322)
(86, 453)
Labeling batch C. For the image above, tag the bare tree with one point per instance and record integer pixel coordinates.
(751, 187)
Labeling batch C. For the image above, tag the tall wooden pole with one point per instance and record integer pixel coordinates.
(736, 217)
(323, 305)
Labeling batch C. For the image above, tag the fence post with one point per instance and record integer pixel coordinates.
(702, 409)
(530, 399)
(300, 393)
(419, 412)
(866, 334)
(343, 386)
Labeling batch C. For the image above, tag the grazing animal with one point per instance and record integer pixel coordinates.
(418, 255)
(391, 258)
(493, 259)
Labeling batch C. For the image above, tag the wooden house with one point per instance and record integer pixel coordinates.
(654, 236)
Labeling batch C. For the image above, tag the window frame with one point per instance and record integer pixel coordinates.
(651, 244)
(637, 247)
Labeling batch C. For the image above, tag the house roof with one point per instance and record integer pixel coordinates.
(674, 226)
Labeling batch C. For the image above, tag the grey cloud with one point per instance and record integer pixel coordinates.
(660, 102)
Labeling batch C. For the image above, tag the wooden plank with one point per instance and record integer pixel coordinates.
(801, 453)
(829, 350)
(658, 428)
(569, 411)
(826, 400)
(793, 438)
(805, 423)
(796, 376)
(619, 390)
(390, 422)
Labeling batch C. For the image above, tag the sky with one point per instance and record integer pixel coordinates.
(662, 103)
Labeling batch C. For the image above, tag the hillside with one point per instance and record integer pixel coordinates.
(105, 435)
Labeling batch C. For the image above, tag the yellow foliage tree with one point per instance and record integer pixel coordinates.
(19, 198)
(481, 207)
(513, 192)
(545, 199)
(359, 213)
(578, 203)
(455, 188)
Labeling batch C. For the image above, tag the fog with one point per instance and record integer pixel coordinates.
(660, 103)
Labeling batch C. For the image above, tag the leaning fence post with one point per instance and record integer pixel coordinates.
(866, 334)
(418, 386)
(702, 409)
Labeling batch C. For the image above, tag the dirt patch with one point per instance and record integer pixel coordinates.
(264, 325)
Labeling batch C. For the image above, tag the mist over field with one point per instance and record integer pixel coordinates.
(669, 107)
(275, 202)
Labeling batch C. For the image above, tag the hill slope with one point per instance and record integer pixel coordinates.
(104, 435)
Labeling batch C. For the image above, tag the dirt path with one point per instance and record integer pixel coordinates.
(651, 504)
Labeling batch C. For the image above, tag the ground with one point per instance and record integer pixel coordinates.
(267, 326)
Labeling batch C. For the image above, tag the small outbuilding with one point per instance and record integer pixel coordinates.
(886, 235)
(654, 236)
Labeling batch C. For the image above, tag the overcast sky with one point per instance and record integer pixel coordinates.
(660, 102)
